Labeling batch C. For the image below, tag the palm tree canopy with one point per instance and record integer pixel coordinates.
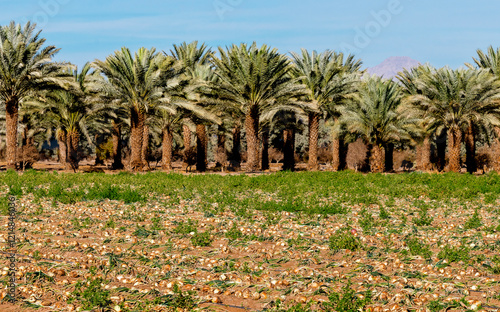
(25, 65)
(140, 80)
(324, 75)
(191, 55)
(453, 98)
(409, 79)
(71, 110)
(254, 77)
(372, 112)
(489, 60)
(412, 87)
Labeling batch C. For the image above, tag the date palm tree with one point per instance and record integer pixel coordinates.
(372, 114)
(70, 112)
(490, 61)
(410, 80)
(33, 130)
(251, 79)
(287, 121)
(164, 123)
(169, 117)
(207, 108)
(194, 57)
(139, 82)
(25, 68)
(460, 101)
(201, 78)
(324, 75)
(118, 123)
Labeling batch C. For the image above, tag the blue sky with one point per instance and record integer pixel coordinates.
(441, 32)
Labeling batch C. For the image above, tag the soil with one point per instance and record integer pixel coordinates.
(286, 257)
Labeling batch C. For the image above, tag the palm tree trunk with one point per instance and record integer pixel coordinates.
(220, 154)
(61, 141)
(186, 135)
(470, 149)
(336, 153)
(201, 148)
(31, 153)
(313, 141)
(366, 166)
(441, 149)
(265, 149)
(252, 130)
(339, 161)
(419, 161)
(11, 120)
(235, 152)
(21, 155)
(75, 139)
(145, 145)
(454, 142)
(344, 148)
(389, 157)
(72, 140)
(117, 146)
(377, 159)
(424, 154)
(289, 150)
(136, 137)
(496, 163)
(166, 155)
(98, 141)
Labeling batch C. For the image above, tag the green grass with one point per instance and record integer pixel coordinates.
(343, 239)
(416, 247)
(293, 192)
(454, 254)
(91, 296)
(473, 222)
(202, 239)
(186, 227)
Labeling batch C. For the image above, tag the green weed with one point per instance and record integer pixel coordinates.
(416, 247)
(91, 295)
(348, 300)
(423, 218)
(454, 254)
(383, 213)
(234, 233)
(474, 221)
(343, 239)
(367, 221)
(186, 227)
(202, 239)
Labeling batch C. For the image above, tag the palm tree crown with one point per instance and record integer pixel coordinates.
(489, 60)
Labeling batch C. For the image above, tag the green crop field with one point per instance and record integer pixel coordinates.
(304, 241)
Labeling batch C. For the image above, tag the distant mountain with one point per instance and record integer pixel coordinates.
(391, 66)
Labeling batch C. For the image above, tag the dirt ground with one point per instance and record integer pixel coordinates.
(283, 258)
(251, 260)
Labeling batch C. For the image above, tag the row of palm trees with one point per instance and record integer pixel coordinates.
(157, 95)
